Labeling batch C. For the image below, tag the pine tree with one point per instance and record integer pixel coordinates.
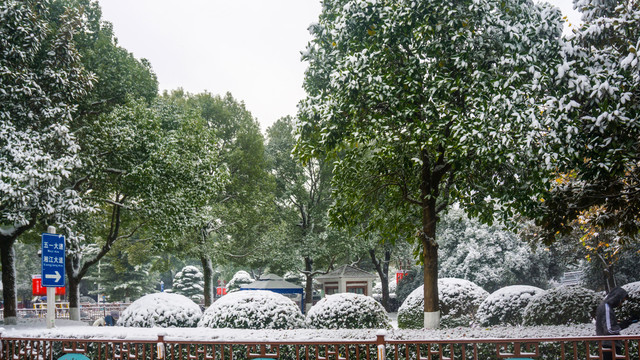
(190, 283)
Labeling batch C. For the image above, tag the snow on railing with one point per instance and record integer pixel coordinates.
(381, 348)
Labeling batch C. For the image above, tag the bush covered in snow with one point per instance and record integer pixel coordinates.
(631, 307)
(459, 300)
(253, 309)
(240, 278)
(190, 283)
(562, 305)
(348, 311)
(506, 306)
(161, 310)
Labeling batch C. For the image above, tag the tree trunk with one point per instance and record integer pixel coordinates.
(427, 236)
(308, 292)
(74, 297)
(609, 278)
(431, 305)
(207, 270)
(382, 268)
(9, 296)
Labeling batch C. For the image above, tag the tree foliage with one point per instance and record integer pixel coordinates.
(41, 80)
(423, 104)
(225, 230)
(592, 122)
(303, 196)
(150, 170)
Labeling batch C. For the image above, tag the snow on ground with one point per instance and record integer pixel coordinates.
(71, 329)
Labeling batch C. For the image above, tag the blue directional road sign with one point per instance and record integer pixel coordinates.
(53, 258)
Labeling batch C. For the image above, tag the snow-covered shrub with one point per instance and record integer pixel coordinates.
(506, 306)
(253, 309)
(240, 278)
(562, 305)
(161, 310)
(631, 307)
(348, 311)
(190, 283)
(459, 299)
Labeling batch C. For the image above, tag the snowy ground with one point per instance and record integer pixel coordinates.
(70, 329)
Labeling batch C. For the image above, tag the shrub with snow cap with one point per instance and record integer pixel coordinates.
(240, 278)
(561, 306)
(348, 311)
(459, 299)
(506, 306)
(253, 309)
(161, 310)
(631, 307)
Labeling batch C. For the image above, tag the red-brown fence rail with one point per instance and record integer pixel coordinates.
(589, 348)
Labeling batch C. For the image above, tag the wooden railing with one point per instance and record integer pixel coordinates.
(382, 348)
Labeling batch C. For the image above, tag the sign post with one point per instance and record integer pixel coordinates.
(53, 270)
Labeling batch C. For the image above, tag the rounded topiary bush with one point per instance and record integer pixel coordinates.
(348, 311)
(253, 309)
(562, 305)
(161, 310)
(459, 299)
(506, 306)
(631, 307)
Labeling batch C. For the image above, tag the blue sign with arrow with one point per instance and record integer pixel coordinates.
(53, 260)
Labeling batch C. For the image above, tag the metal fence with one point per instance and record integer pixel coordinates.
(589, 348)
(88, 313)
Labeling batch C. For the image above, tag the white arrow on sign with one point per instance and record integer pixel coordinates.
(51, 276)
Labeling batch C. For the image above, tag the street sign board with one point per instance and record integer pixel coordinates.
(53, 259)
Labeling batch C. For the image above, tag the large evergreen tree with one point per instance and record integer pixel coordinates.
(426, 103)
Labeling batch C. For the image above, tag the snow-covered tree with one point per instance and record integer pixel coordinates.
(423, 104)
(153, 169)
(592, 127)
(189, 282)
(41, 78)
(303, 195)
(490, 256)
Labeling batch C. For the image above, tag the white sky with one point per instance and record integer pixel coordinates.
(250, 48)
